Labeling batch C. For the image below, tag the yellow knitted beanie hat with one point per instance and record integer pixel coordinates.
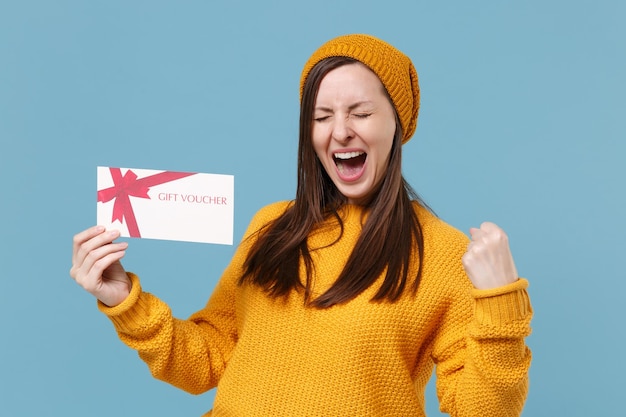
(395, 70)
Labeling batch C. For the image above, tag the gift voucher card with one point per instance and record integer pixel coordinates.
(147, 203)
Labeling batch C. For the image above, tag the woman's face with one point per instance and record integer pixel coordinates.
(353, 129)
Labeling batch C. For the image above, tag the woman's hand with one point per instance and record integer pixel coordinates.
(488, 261)
(96, 265)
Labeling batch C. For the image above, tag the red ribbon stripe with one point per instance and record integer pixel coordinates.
(128, 185)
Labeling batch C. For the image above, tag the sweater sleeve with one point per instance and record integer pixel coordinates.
(190, 354)
(482, 368)
(183, 353)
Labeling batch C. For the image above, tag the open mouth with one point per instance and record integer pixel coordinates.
(350, 164)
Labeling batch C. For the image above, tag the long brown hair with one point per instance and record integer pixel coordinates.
(391, 235)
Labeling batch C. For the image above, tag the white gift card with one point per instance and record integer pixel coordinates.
(187, 206)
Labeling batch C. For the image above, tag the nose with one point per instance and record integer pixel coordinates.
(342, 131)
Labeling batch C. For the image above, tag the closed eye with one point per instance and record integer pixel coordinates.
(321, 119)
(362, 115)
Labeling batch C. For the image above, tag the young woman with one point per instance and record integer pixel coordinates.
(342, 301)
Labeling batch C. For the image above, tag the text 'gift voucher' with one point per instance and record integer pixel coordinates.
(192, 207)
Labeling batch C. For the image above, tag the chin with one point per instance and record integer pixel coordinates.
(357, 198)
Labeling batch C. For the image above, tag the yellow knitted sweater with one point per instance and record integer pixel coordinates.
(276, 357)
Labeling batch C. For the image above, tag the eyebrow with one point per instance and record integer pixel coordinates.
(351, 107)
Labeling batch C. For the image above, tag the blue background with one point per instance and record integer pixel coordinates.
(522, 123)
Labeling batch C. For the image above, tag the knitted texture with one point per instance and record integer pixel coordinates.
(276, 357)
(394, 69)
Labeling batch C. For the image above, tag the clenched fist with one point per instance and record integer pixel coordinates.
(488, 261)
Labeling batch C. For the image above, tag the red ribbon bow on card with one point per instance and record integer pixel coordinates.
(128, 185)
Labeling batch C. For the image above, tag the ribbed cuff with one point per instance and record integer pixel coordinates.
(126, 314)
(503, 305)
